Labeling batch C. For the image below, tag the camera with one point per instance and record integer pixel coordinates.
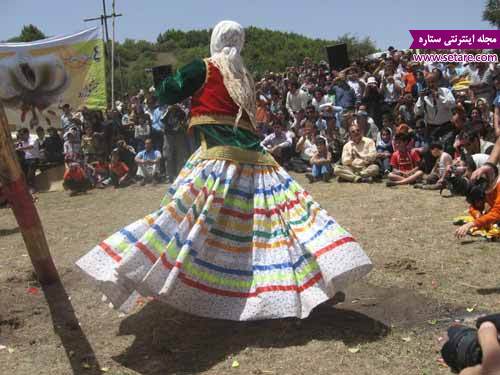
(462, 348)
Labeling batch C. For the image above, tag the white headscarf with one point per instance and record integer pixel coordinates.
(228, 38)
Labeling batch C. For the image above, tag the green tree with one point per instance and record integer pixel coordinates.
(491, 12)
(29, 33)
(265, 50)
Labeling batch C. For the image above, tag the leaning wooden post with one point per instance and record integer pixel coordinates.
(15, 189)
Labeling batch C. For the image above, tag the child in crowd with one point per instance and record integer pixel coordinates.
(118, 170)
(479, 196)
(76, 180)
(321, 162)
(405, 163)
(435, 179)
(101, 172)
(72, 148)
(385, 150)
(88, 145)
(419, 136)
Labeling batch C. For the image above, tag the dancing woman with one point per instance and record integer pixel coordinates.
(236, 237)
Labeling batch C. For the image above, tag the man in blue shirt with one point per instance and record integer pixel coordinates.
(345, 96)
(158, 130)
(148, 161)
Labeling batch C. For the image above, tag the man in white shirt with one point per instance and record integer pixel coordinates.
(278, 143)
(358, 158)
(28, 145)
(296, 99)
(436, 105)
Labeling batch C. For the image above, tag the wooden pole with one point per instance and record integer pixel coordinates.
(113, 57)
(16, 191)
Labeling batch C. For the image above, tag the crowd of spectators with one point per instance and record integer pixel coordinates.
(138, 141)
(380, 118)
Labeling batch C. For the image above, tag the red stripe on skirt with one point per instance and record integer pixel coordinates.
(333, 245)
(148, 253)
(108, 250)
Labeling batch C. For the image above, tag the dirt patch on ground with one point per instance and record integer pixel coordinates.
(423, 279)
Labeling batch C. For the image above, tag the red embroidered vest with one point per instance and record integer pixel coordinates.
(212, 104)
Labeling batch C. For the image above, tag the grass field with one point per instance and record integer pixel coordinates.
(390, 323)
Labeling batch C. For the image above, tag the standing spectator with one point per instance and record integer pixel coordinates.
(373, 100)
(345, 96)
(436, 104)
(29, 146)
(496, 103)
(358, 158)
(158, 131)
(72, 148)
(175, 143)
(40, 133)
(148, 161)
(142, 131)
(88, 145)
(321, 162)
(66, 118)
(296, 99)
(356, 84)
(391, 90)
(53, 147)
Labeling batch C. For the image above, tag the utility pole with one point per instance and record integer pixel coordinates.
(104, 24)
(113, 58)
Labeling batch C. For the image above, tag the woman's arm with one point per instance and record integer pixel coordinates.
(183, 84)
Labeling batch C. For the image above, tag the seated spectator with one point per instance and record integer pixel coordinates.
(435, 180)
(305, 147)
(419, 136)
(385, 150)
(76, 180)
(118, 171)
(28, 146)
(404, 163)
(478, 196)
(148, 161)
(359, 157)
(127, 155)
(101, 172)
(472, 142)
(278, 143)
(321, 162)
(53, 147)
(369, 130)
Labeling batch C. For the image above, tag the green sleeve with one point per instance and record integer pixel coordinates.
(226, 135)
(183, 84)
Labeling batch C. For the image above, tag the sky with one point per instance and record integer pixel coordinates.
(386, 22)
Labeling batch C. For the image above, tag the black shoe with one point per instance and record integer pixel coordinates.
(366, 180)
(311, 178)
(326, 177)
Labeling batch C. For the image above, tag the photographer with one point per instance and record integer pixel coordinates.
(488, 339)
(484, 190)
(435, 104)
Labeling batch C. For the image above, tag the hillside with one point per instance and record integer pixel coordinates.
(265, 50)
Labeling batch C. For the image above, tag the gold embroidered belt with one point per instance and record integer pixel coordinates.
(236, 154)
